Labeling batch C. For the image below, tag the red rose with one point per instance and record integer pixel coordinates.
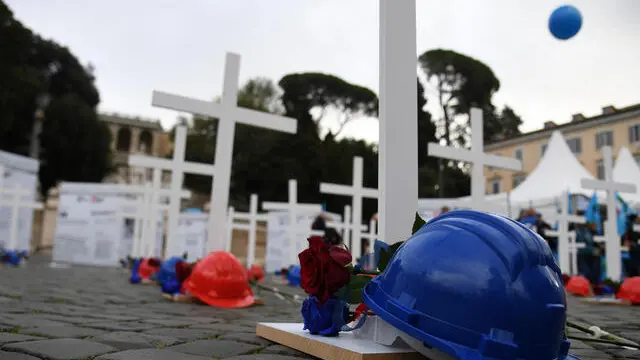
(154, 262)
(321, 274)
(183, 270)
(340, 255)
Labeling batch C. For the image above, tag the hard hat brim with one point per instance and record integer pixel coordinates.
(227, 303)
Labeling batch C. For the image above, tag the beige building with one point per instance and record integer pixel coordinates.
(585, 137)
(134, 135)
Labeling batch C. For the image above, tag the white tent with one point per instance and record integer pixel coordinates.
(557, 171)
(626, 170)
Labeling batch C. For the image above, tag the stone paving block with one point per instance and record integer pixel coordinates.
(126, 340)
(6, 338)
(68, 319)
(184, 333)
(27, 320)
(112, 317)
(120, 326)
(68, 331)
(215, 348)
(283, 350)
(246, 338)
(150, 354)
(4, 355)
(226, 327)
(60, 349)
(169, 322)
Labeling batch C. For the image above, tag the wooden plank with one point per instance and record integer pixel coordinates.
(343, 347)
(606, 301)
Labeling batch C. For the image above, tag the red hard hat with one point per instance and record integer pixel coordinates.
(630, 290)
(579, 285)
(220, 280)
(147, 269)
(255, 272)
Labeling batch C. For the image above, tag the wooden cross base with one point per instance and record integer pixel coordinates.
(606, 300)
(189, 299)
(179, 298)
(343, 347)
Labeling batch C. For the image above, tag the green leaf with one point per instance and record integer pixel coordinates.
(356, 286)
(417, 224)
(386, 255)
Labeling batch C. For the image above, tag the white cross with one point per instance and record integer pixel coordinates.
(477, 158)
(253, 217)
(178, 168)
(398, 143)
(228, 113)
(149, 204)
(357, 192)
(346, 226)
(293, 208)
(16, 203)
(572, 247)
(612, 242)
(372, 236)
(563, 219)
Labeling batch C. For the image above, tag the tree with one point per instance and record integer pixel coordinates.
(328, 94)
(501, 126)
(75, 144)
(460, 82)
(428, 167)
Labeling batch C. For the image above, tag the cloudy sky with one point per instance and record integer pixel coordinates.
(179, 46)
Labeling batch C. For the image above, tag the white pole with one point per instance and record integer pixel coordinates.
(230, 216)
(253, 213)
(15, 212)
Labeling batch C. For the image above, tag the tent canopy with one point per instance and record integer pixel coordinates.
(557, 171)
(626, 170)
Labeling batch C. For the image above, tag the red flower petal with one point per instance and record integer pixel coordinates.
(340, 255)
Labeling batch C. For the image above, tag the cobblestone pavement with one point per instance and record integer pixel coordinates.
(94, 313)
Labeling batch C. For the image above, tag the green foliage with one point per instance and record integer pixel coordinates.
(75, 145)
(356, 286)
(460, 83)
(417, 223)
(315, 90)
(386, 255)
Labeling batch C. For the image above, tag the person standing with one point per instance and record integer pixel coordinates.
(630, 239)
(588, 256)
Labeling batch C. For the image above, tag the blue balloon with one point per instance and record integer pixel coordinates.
(565, 22)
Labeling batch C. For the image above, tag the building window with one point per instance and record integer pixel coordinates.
(600, 169)
(634, 133)
(518, 179)
(575, 144)
(543, 148)
(495, 186)
(604, 138)
(518, 154)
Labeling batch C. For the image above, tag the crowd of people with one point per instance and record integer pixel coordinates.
(590, 255)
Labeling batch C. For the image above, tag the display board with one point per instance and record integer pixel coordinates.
(23, 171)
(278, 242)
(87, 231)
(191, 235)
(77, 230)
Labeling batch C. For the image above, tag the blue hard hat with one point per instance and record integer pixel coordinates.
(11, 258)
(293, 276)
(135, 277)
(167, 270)
(475, 286)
